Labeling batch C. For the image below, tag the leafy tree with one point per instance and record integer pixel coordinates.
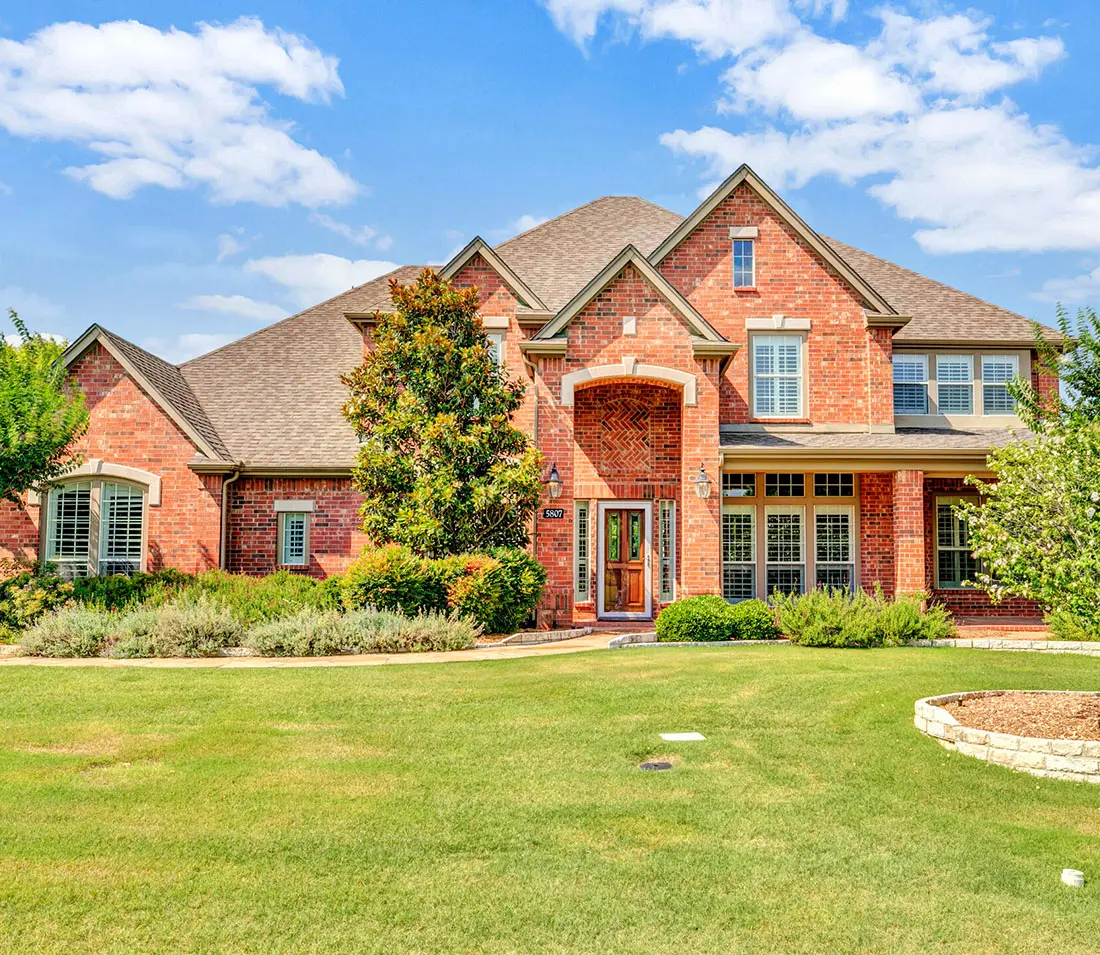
(41, 413)
(1037, 529)
(1074, 360)
(441, 466)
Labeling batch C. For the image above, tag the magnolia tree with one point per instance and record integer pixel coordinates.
(41, 413)
(1037, 528)
(441, 466)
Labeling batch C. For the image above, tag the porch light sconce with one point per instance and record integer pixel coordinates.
(702, 482)
(554, 483)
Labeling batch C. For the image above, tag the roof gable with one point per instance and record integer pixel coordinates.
(478, 246)
(699, 326)
(745, 175)
(162, 381)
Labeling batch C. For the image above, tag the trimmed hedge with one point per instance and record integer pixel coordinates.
(709, 617)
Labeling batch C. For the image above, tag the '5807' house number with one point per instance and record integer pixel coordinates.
(553, 513)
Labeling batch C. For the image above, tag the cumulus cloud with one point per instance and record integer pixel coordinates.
(1076, 290)
(240, 305)
(185, 347)
(32, 307)
(175, 109)
(228, 246)
(310, 279)
(919, 110)
(360, 235)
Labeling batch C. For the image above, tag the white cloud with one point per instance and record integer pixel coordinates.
(228, 246)
(5, 189)
(361, 235)
(185, 347)
(525, 223)
(175, 109)
(1076, 290)
(910, 110)
(313, 278)
(32, 307)
(51, 336)
(236, 305)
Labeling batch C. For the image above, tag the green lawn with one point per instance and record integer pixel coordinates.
(497, 807)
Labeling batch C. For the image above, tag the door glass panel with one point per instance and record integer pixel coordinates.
(635, 519)
(614, 525)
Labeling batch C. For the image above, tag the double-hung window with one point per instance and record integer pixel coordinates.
(739, 552)
(785, 548)
(910, 384)
(777, 376)
(95, 527)
(997, 372)
(744, 263)
(955, 564)
(955, 384)
(834, 563)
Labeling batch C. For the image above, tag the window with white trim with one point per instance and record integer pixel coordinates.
(834, 562)
(739, 552)
(910, 384)
(777, 376)
(582, 568)
(955, 384)
(997, 372)
(744, 263)
(666, 529)
(496, 347)
(784, 549)
(955, 564)
(80, 545)
(293, 543)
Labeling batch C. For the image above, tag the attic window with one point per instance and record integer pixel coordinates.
(744, 263)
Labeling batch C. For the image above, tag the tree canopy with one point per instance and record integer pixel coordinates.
(41, 413)
(441, 466)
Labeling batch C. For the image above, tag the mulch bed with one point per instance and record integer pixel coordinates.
(1044, 715)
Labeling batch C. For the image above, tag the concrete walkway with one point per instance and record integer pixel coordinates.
(593, 641)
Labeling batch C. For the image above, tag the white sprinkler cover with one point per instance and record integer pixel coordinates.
(681, 737)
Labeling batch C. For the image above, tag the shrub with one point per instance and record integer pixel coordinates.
(754, 620)
(25, 597)
(309, 633)
(193, 626)
(832, 617)
(1065, 625)
(120, 592)
(394, 578)
(499, 590)
(702, 618)
(69, 632)
(256, 599)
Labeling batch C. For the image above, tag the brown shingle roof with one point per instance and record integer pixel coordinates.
(903, 439)
(276, 395)
(940, 313)
(558, 258)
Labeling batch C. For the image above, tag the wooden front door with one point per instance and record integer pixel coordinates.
(624, 561)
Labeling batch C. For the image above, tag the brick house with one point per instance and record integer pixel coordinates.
(733, 403)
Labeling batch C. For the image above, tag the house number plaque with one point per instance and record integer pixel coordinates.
(553, 513)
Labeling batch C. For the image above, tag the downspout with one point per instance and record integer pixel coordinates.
(222, 547)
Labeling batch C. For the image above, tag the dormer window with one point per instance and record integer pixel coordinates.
(744, 263)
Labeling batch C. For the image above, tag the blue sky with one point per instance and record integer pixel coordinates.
(185, 173)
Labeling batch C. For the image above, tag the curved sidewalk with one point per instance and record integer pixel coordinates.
(592, 641)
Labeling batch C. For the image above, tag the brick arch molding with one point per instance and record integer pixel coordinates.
(628, 368)
(96, 468)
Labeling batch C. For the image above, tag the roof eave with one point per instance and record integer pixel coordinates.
(880, 320)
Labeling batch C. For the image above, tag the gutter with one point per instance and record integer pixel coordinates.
(223, 542)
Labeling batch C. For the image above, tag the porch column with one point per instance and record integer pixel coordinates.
(700, 520)
(909, 566)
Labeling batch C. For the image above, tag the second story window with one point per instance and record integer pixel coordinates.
(777, 376)
(955, 384)
(744, 263)
(496, 347)
(910, 384)
(997, 372)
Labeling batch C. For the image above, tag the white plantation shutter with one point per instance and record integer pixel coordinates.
(69, 529)
(910, 384)
(777, 376)
(121, 517)
(997, 372)
(955, 384)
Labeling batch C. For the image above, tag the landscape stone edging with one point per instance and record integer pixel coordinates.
(1070, 759)
(1083, 648)
(649, 639)
(535, 637)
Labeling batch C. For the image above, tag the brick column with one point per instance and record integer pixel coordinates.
(700, 520)
(909, 567)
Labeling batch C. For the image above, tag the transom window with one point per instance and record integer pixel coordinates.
(955, 384)
(955, 564)
(744, 263)
(738, 485)
(777, 376)
(910, 384)
(997, 372)
(80, 545)
(784, 485)
(834, 485)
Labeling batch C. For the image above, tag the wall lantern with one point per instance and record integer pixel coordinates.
(702, 482)
(554, 483)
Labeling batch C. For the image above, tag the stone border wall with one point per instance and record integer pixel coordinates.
(1075, 760)
(649, 639)
(1036, 646)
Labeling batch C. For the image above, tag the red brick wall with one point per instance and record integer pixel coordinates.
(876, 531)
(909, 532)
(127, 427)
(969, 600)
(334, 538)
(849, 368)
